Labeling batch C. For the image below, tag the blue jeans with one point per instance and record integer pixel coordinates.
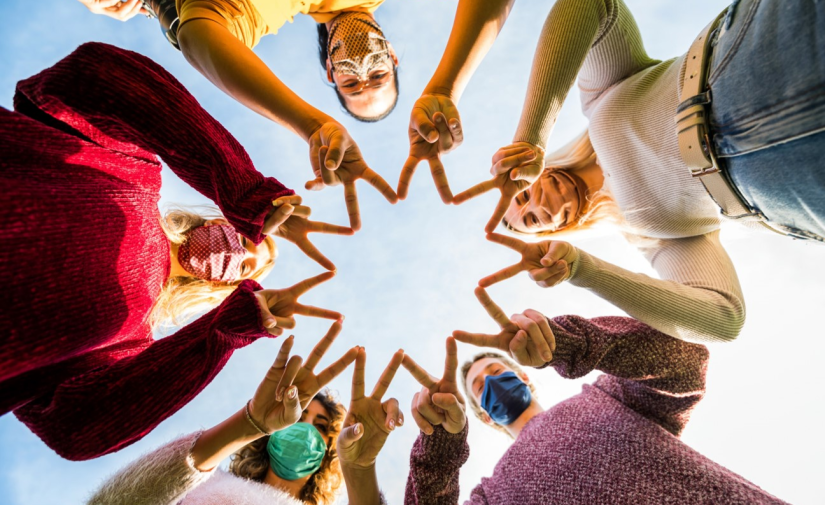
(767, 120)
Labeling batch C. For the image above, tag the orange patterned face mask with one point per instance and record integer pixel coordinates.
(212, 253)
(356, 45)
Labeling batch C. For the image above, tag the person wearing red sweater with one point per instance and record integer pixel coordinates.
(84, 255)
(616, 442)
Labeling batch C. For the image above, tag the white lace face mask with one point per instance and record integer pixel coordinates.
(356, 45)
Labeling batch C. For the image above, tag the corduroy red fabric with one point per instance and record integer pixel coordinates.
(614, 443)
(83, 256)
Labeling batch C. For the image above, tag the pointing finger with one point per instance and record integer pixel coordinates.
(478, 189)
(503, 274)
(406, 176)
(440, 178)
(387, 376)
(491, 307)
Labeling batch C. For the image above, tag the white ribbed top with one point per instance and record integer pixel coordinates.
(631, 102)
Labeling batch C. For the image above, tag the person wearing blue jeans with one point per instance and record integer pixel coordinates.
(767, 80)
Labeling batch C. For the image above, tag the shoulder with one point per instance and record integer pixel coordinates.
(225, 488)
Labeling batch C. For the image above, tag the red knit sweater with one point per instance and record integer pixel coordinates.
(83, 256)
(615, 443)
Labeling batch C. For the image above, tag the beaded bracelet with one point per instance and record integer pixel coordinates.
(252, 422)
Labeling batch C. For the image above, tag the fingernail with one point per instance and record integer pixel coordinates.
(271, 323)
(439, 119)
(357, 429)
(279, 395)
(400, 420)
(277, 203)
(392, 424)
(547, 356)
(329, 164)
(292, 392)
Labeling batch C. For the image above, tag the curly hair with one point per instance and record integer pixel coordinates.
(465, 369)
(183, 296)
(252, 461)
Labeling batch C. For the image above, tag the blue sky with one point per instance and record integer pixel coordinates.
(406, 279)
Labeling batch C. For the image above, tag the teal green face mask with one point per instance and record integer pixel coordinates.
(296, 451)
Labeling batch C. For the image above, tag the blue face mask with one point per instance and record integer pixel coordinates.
(505, 397)
(296, 451)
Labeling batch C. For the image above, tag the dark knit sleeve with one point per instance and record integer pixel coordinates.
(127, 103)
(118, 403)
(435, 462)
(658, 376)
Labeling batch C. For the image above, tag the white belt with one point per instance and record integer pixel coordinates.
(694, 139)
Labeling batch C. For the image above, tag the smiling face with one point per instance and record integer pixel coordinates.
(362, 65)
(553, 203)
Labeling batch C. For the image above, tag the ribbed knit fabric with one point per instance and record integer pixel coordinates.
(631, 101)
(83, 256)
(614, 443)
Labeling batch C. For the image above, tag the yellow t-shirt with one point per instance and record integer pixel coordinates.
(249, 20)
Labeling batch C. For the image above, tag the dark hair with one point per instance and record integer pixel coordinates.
(323, 40)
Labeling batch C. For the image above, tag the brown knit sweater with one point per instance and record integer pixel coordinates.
(616, 442)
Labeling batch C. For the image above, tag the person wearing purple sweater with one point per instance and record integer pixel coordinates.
(616, 442)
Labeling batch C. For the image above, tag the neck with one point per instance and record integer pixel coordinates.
(291, 487)
(516, 426)
(176, 270)
(592, 176)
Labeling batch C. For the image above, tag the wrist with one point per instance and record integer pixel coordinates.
(312, 123)
(446, 90)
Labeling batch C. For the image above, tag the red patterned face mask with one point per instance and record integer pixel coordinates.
(212, 253)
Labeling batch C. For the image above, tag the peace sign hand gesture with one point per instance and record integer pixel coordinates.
(435, 129)
(289, 221)
(526, 337)
(336, 159)
(515, 168)
(548, 262)
(279, 305)
(369, 421)
(275, 405)
(307, 381)
(439, 401)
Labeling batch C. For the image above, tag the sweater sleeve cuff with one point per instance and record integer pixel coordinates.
(238, 318)
(248, 218)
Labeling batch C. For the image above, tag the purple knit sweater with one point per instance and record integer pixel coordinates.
(616, 442)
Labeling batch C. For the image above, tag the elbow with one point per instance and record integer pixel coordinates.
(730, 324)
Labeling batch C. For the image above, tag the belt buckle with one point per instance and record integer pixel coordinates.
(714, 163)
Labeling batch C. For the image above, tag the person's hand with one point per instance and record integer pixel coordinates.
(275, 405)
(116, 9)
(288, 220)
(439, 401)
(369, 421)
(548, 262)
(336, 159)
(279, 305)
(525, 337)
(515, 168)
(435, 129)
(307, 381)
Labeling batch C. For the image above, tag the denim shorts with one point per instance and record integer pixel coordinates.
(767, 81)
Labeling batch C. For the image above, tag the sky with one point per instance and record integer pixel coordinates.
(406, 279)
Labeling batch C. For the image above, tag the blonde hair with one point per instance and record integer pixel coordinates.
(474, 405)
(600, 207)
(182, 297)
(252, 461)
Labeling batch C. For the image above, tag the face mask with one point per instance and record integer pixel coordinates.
(296, 451)
(212, 253)
(505, 397)
(356, 45)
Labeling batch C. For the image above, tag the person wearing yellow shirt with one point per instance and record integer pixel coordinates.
(217, 38)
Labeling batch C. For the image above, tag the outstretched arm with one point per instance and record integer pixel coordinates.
(125, 102)
(119, 401)
(658, 376)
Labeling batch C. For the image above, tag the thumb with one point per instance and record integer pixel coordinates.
(350, 435)
(291, 403)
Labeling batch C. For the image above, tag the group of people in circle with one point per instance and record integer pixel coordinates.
(81, 171)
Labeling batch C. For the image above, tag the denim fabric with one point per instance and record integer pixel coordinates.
(767, 81)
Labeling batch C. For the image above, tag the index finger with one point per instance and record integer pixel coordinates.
(358, 374)
(378, 182)
(334, 229)
(311, 251)
(478, 189)
(418, 373)
(491, 307)
(498, 214)
(351, 199)
(405, 178)
(387, 376)
(335, 369)
(283, 353)
(312, 311)
(321, 347)
(511, 242)
(450, 363)
(307, 284)
(440, 178)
